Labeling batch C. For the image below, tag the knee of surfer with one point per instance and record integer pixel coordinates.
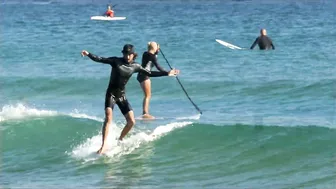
(108, 113)
(148, 96)
(108, 120)
(131, 122)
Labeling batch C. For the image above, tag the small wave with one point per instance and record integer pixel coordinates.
(19, 111)
(76, 114)
(87, 150)
(42, 2)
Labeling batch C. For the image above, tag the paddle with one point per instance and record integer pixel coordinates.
(197, 108)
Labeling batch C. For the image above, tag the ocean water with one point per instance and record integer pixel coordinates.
(268, 116)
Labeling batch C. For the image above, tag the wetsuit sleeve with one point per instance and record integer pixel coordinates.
(157, 65)
(110, 60)
(272, 45)
(254, 44)
(139, 68)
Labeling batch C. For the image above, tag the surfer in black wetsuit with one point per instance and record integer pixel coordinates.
(122, 70)
(263, 41)
(149, 60)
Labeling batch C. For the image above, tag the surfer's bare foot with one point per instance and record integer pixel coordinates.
(101, 150)
(148, 116)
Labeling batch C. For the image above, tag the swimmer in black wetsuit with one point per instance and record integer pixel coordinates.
(149, 60)
(122, 70)
(263, 41)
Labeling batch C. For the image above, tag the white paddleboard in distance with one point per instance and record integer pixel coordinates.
(107, 18)
(228, 44)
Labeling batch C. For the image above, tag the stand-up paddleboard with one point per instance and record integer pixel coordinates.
(192, 117)
(147, 118)
(107, 18)
(228, 44)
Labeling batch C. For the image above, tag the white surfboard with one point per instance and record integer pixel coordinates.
(228, 44)
(107, 18)
(192, 117)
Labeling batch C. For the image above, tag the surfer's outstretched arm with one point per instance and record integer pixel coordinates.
(110, 60)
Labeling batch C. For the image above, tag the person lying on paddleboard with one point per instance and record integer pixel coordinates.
(263, 41)
(109, 12)
(149, 60)
(122, 70)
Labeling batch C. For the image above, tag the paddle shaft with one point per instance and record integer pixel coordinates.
(178, 80)
(112, 6)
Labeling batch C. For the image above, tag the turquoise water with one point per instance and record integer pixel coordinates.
(268, 116)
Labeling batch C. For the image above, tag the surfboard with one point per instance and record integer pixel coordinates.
(228, 44)
(192, 117)
(107, 18)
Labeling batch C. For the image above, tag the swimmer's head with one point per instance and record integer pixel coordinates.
(263, 32)
(153, 46)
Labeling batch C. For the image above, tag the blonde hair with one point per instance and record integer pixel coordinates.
(152, 45)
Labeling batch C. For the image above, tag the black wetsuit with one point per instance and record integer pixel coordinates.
(149, 60)
(120, 74)
(264, 43)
